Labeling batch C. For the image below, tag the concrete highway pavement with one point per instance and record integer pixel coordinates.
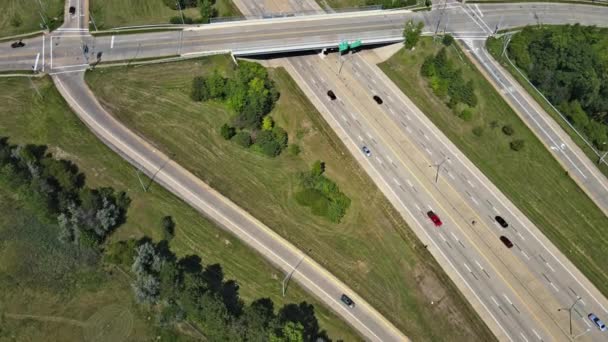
(199, 195)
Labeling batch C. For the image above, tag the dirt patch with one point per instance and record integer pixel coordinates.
(111, 323)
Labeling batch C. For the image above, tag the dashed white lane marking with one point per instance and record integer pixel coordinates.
(449, 161)
(507, 298)
(588, 324)
(396, 181)
(313, 81)
(454, 236)
(389, 160)
(494, 300)
(360, 138)
(417, 206)
(426, 137)
(526, 255)
(537, 335)
(470, 183)
(479, 265)
(429, 206)
(352, 115)
(428, 151)
(521, 236)
(391, 110)
(409, 130)
(443, 238)
(112, 43)
(495, 210)
(474, 200)
(467, 267)
(409, 183)
(36, 62)
(523, 336)
(369, 135)
(344, 118)
(408, 117)
(554, 287)
(379, 160)
(451, 176)
(374, 80)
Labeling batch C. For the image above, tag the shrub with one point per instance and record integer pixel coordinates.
(227, 132)
(280, 135)
(267, 123)
(447, 40)
(428, 3)
(242, 139)
(478, 131)
(168, 228)
(517, 145)
(293, 149)
(466, 114)
(494, 124)
(508, 130)
(317, 169)
(16, 20)
(267, 143)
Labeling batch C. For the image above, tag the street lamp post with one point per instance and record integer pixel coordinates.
(570, 312)
(439, 167)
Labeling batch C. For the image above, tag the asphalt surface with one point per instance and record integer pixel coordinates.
(524, 286)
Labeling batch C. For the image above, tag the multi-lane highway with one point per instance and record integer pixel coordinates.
(516, 293)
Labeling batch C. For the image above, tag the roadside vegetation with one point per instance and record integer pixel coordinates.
(337, 4)
(530, 177)
(61, 290)
(583, 106)
(109, 14)
(371, 249)
(23, 16)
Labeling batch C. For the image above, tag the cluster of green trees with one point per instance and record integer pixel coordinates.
(86, 216)
(448, 84)
(252, 95)
(206, 8)
(182, 289)
(321, 194)
(568, 65)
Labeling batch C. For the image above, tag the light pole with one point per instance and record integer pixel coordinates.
(288, 276)
(439, 167)
(570, 312)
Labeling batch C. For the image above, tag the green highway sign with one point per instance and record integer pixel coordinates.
(355, 44)
(343, 46)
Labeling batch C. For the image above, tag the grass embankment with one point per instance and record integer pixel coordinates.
(495, 47)
(46, 119)
(22, 16)
(116, 13)
(531, 178)
(372, 249)
(338, 4)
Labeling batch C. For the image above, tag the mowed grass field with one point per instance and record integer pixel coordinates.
(372, 250)
(531, 178)
(29, 118)
(23, 16)
(115, 13)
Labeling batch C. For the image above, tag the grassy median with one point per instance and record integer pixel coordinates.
(531, 178)
(372, 249)
(34, 112)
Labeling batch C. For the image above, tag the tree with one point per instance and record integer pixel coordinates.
(267, 123)
(290, 332)
(216, 85)
(227, 132)
(168, 228)
(411, 33)
(206, 10)
(199, 89)
(508, 129)
(242, 139)
(447, 40)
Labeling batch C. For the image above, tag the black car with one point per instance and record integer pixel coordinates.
(17, 44)
(378, 99)
(501, 222)
(346, 300)
(506, 241)
(331, 95)
(72, 10)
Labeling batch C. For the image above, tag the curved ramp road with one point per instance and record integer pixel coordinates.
(199, 195)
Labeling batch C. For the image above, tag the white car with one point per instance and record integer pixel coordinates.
(598, 323)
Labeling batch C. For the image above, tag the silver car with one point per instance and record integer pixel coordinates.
(593, 318)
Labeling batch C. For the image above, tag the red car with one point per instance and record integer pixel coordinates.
(436, 220)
